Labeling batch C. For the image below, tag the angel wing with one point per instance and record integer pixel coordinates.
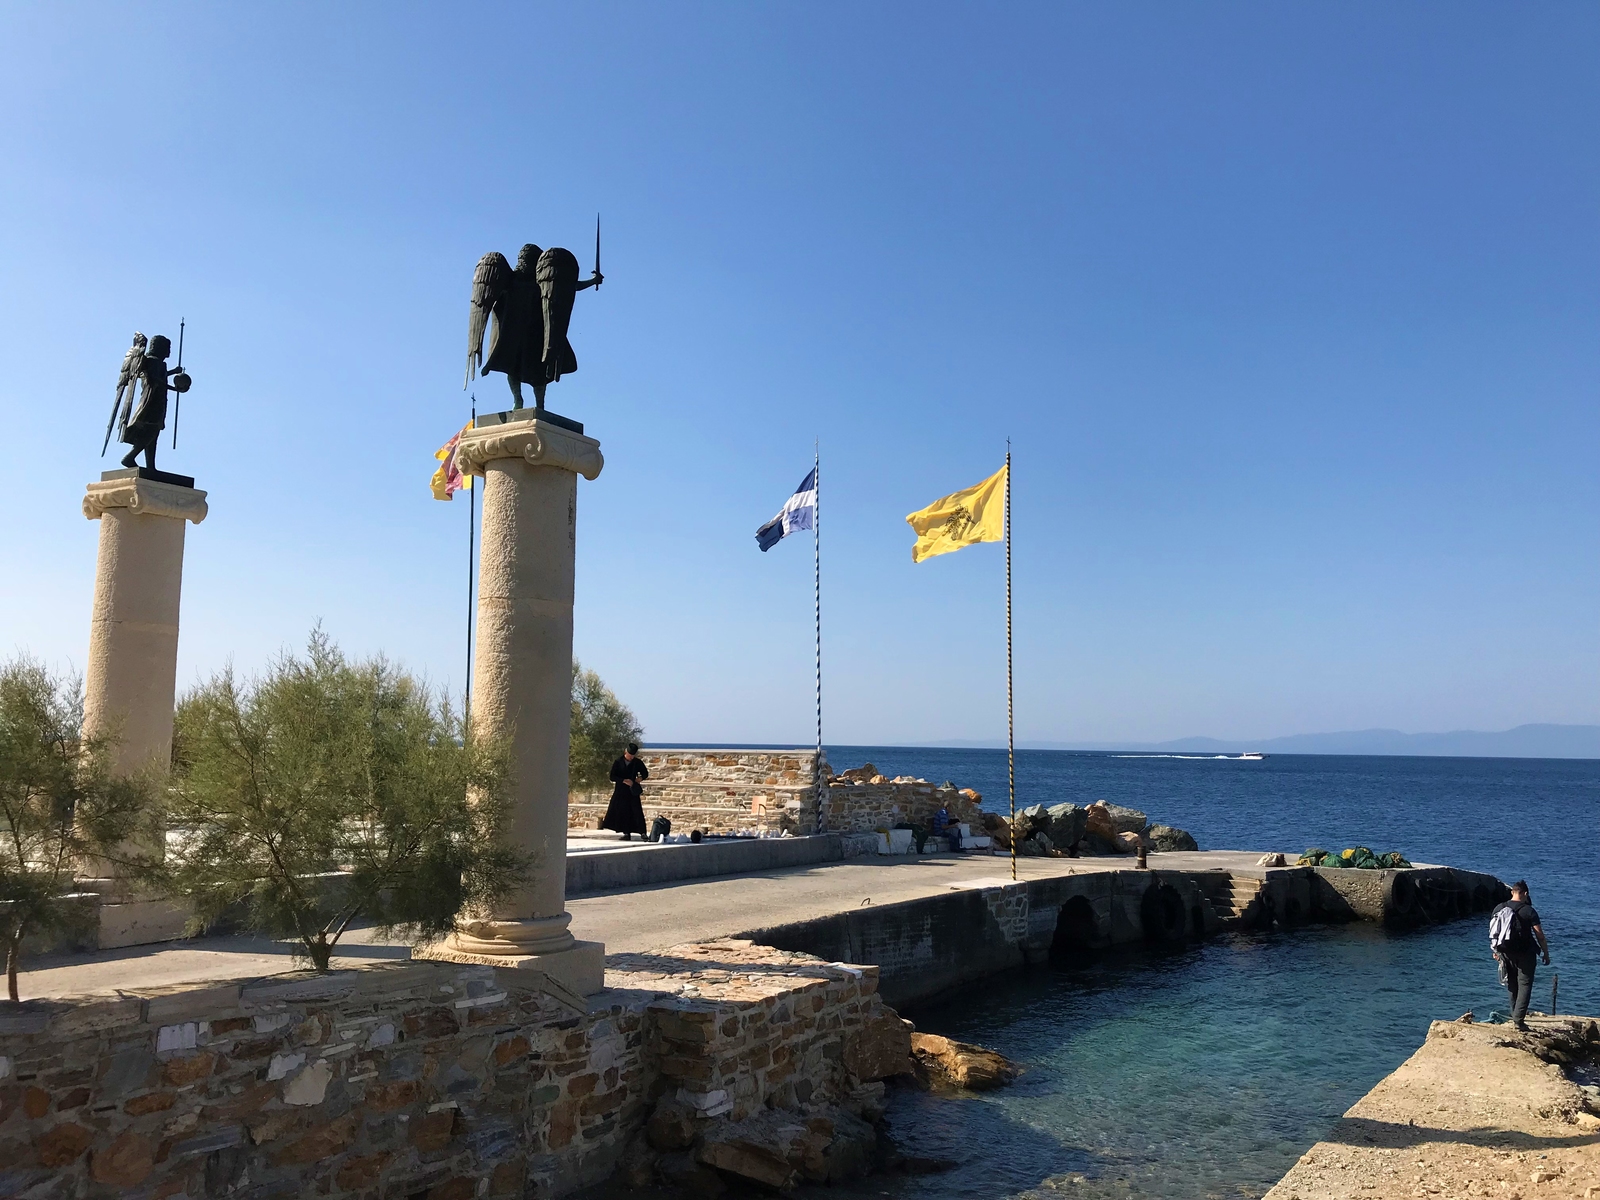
(128, 378)
(558, 285)
(489, 282)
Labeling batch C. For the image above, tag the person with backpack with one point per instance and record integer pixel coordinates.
(1514, 938)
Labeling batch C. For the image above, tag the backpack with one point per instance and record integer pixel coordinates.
(1503, 932)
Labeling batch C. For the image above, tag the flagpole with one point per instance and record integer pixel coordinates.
(472, 562)
(816, 537)
(1011, 734)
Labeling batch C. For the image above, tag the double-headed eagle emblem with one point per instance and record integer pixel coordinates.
(532, 307)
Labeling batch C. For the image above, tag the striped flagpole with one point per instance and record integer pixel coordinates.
(816, 538)
(1011, 727)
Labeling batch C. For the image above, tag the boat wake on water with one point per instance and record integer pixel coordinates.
(1247, 756)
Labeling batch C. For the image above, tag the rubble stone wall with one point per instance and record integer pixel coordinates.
(856, 805)
(756, 1026)
(407, 1079)
(770, 791)
(720, 791)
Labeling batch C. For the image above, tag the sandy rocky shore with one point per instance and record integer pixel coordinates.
(1477, 1111)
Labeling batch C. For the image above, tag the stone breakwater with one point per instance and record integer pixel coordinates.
(1478, 1110)
(439, 1079)
(985, 925)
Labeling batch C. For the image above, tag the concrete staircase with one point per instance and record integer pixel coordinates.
(1234, 898)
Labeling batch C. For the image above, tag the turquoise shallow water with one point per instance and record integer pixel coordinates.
(1206, 1071)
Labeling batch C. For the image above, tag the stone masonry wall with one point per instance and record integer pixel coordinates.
(860, 800)
(770, 791)
(720, 791)
(408, 1079)
(754, 1027)
(400, 1078)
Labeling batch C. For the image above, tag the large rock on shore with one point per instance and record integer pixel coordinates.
(1108, 820)
(777, 1149)
(1031, 820)
(766, 1148)
(1166, 837)
(1068, 823)
(961, 1064)
(997, 827)
(880, 1048)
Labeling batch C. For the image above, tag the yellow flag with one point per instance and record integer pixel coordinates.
(977, 514)
(449, 478)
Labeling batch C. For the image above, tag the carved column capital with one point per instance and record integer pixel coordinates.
(146, 496)
(537, 442)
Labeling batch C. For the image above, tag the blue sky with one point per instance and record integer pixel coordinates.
(1290, 312)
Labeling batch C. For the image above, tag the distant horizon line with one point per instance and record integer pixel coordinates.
(1533, 740)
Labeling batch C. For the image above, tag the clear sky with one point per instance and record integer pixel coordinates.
(1289, 310)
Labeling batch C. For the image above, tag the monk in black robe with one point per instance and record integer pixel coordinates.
(625, 813)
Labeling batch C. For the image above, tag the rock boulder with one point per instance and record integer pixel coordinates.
(766, 1148)
(673, 1125)
(839, 1149)
(1068, 822)
(961, 1064)
(776, 1148)
(1031, 820)
(1094, 843)
(879, 1049)
(1165, 837)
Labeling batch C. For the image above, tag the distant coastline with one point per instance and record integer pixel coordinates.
(1525, 741)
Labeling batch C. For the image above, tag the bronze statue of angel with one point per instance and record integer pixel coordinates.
(141, 400)
(532, 308)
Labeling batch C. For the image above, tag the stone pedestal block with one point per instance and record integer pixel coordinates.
(522, 676)
(130, 684)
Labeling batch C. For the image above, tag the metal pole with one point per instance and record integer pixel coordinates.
(177, 401)
(472, 563)
(1011, 733)
(816, 538)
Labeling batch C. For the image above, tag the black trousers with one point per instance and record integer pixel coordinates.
(1519, 983)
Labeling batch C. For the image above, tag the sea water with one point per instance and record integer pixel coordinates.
(1205, 1071)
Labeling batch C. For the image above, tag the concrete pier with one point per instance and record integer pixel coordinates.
(1478, 1110)
(930, 923)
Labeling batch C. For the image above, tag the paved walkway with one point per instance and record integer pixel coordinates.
(640, 919)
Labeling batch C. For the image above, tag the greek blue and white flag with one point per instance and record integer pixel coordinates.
(797, 513)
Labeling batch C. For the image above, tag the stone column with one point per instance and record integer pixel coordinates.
(522, 677)
(131, 683)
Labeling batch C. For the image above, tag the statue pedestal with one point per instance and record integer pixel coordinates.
(522, 680)
(131, 681)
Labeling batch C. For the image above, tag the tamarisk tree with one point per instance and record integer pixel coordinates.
(60, 804)
(602, 726)
(327, 792)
